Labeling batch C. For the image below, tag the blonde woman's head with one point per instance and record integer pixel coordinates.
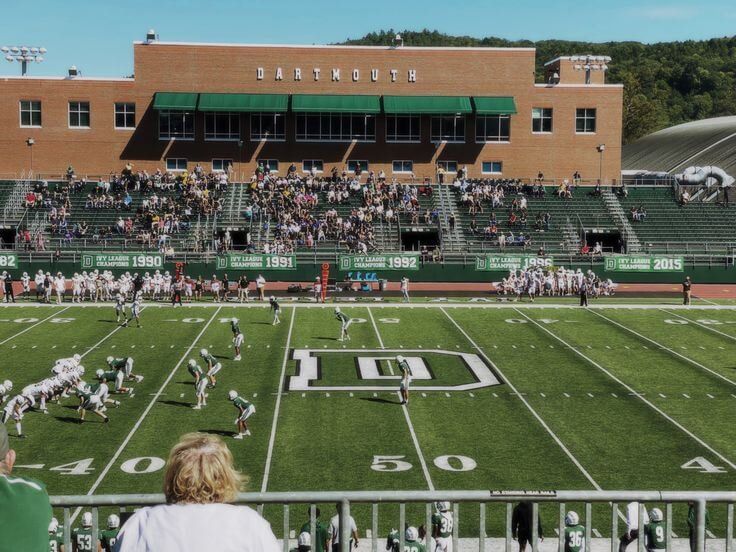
(200, 471)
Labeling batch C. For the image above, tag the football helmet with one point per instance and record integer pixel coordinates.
(572, 518)
(232, 395)
(656, 514)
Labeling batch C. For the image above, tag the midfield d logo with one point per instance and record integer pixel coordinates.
(371, 364)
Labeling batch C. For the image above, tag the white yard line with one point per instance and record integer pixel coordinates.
(632, 391)
(272, 438)
(413, 433)
(552, 434)
(57, 313)
(145, 412)
(671, 351)
(707, 327)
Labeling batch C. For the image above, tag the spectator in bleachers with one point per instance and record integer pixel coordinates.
(199, 483)
(25, 510)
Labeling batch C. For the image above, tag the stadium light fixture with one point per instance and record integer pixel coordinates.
(600, 148)
(23, 55)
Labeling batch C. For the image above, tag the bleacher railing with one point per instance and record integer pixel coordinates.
(615, 502)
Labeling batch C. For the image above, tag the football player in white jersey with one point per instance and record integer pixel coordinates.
(59, 287)
(76, 288)
(38, 279)
(146, 287)
(5, 388)
(25, 280)
(135, 313)
(14, 410)
(120, 309)
(166, 288)
(157, 283)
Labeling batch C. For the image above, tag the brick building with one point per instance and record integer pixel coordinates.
(398, 109)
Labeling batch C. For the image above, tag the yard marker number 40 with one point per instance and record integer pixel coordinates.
(448, 462)
(702, 465)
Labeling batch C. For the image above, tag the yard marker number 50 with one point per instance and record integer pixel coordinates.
(448, 462)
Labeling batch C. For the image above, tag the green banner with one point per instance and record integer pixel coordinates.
(245, 261)
(135, 261)
(408, 261)
(644, 263)
(511, 262)
(8, 260)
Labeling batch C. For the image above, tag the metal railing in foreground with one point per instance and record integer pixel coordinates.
(459, 501)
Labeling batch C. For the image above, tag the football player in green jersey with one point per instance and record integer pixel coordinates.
(405, 378)
(245, 411)
(116, 378)
(124, 364)
(109, 536)
(200, 383)
(56, 536)
(655, 532)
(442, 526)
(321, 531)
(345, 322)
(276, 310)
(237, 337)
(411, 541)
(83, 540)
(213, 366)
(89, 402)
(574, 533)
(102, 390)
(393, 541)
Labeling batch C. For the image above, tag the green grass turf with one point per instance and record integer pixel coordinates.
(562, 370)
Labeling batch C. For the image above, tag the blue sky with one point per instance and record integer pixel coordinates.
(97, 35)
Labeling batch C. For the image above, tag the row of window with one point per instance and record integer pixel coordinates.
(316, 126)
(79, 114)
(174, 164)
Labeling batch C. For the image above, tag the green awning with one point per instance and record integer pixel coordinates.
(498, 105)
(327, 103)
(175, 100)
(434, 105)
(244, 102)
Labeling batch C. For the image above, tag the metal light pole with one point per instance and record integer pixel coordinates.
(30, 142)
(240, 159)
(601, 148)
(23, 55)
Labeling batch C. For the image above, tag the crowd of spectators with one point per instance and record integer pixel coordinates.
(151, 207)
(302, 210)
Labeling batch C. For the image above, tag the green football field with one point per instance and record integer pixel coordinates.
(506, 397)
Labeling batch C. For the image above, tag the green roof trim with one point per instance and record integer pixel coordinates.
(244, 103)
(433, 105)
(497, 105)
(175, 100)
(329, 103)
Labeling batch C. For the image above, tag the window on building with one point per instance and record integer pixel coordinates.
(403, 128)
(124, 115)
(335, 127)
(542, 119)
(448, 166)
(175, 124)
(30, 113)
(309, 164)
(448, 128)
(174, 164)
(222, 165)
(79, 115)
(493, 128)
(354, 163)
(221, 126)
(271, 165)
(585, 120)
(402, 166)
(267, 126)
(492, 167)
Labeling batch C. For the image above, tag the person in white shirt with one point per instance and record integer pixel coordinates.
(199, 482)
(405, 289)
(261, 287)
(334, 532)
(60, 286)
(632, 525)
